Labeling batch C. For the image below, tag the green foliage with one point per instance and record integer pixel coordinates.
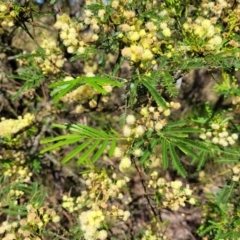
(222, 219)
(142, 47)
(35, 193)
(31, 77)
(156, 96)
(228, 86)
(84, 56)
(61, 88)
(176, 136)
(52, 2)
(92, 141)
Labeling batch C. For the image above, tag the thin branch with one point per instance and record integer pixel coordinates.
(145, 191)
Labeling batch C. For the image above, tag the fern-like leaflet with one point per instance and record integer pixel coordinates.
(92, 143)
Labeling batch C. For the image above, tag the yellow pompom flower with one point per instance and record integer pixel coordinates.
(166, 32)
(125, 164)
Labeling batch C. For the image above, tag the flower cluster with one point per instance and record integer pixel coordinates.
(7, 16)
(101, 184)
(142, 40)
(207, 28)
(53, 60)
(84, 93)
(15, 194)
(236, 173)
(26, 227)
(80, 94)
(40, 216)
(155, 231)
(173, 194)
(219, 135)
(206, 31)
(101, 190)
(214, 9)
(70, 34)
(17, 170)
(11, 126)
(125, 164)
(149, 235)
(69, 203)
(236, 100)
(151, 119)
(233, 20)
(91, 222)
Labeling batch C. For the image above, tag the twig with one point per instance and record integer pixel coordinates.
(37, 138)
(146, 195)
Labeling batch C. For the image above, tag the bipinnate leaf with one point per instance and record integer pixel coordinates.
(177, 135)
(180, 123)
(226, 193)
(145, 156)
(91, 142)
(164, 153)
(156, 96)
(61, 88)
(51, 139)
(112, 147)
(192, 143)
(76, 151)
(187, 151)
(202, 159)
(100, 151)
(66, 142)
(153, 143)
(176, 162)
(89, 151)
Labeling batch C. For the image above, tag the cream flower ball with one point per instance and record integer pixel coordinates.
(130, 119)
